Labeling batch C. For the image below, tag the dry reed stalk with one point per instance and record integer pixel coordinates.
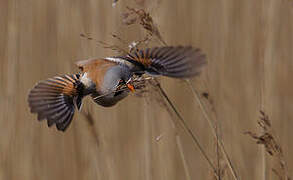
(268, 139)
(143, 82)
(214, 130)
(154, 86)
(221, 164)
(185, 126)
(146, 21)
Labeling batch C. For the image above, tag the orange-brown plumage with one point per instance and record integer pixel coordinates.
(95, 69)
(66, 84)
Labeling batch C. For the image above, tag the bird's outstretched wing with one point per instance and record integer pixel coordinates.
(177, 62)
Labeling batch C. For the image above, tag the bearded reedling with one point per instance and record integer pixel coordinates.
(105, 79)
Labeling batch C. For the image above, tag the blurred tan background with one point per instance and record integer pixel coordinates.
(249, 44)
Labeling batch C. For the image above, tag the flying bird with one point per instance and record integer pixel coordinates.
(56, 99)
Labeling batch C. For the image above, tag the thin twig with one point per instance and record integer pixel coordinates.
(197, 97)
(104, 44)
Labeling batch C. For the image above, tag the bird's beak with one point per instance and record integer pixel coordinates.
(130, 87)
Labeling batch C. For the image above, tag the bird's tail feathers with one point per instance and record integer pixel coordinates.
(55, 99)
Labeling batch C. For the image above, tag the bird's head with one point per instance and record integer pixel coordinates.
(117, 80)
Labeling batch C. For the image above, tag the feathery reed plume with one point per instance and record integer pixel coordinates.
(139, 16)
(268, 139)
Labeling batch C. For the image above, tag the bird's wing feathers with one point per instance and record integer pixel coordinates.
(178, 62)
